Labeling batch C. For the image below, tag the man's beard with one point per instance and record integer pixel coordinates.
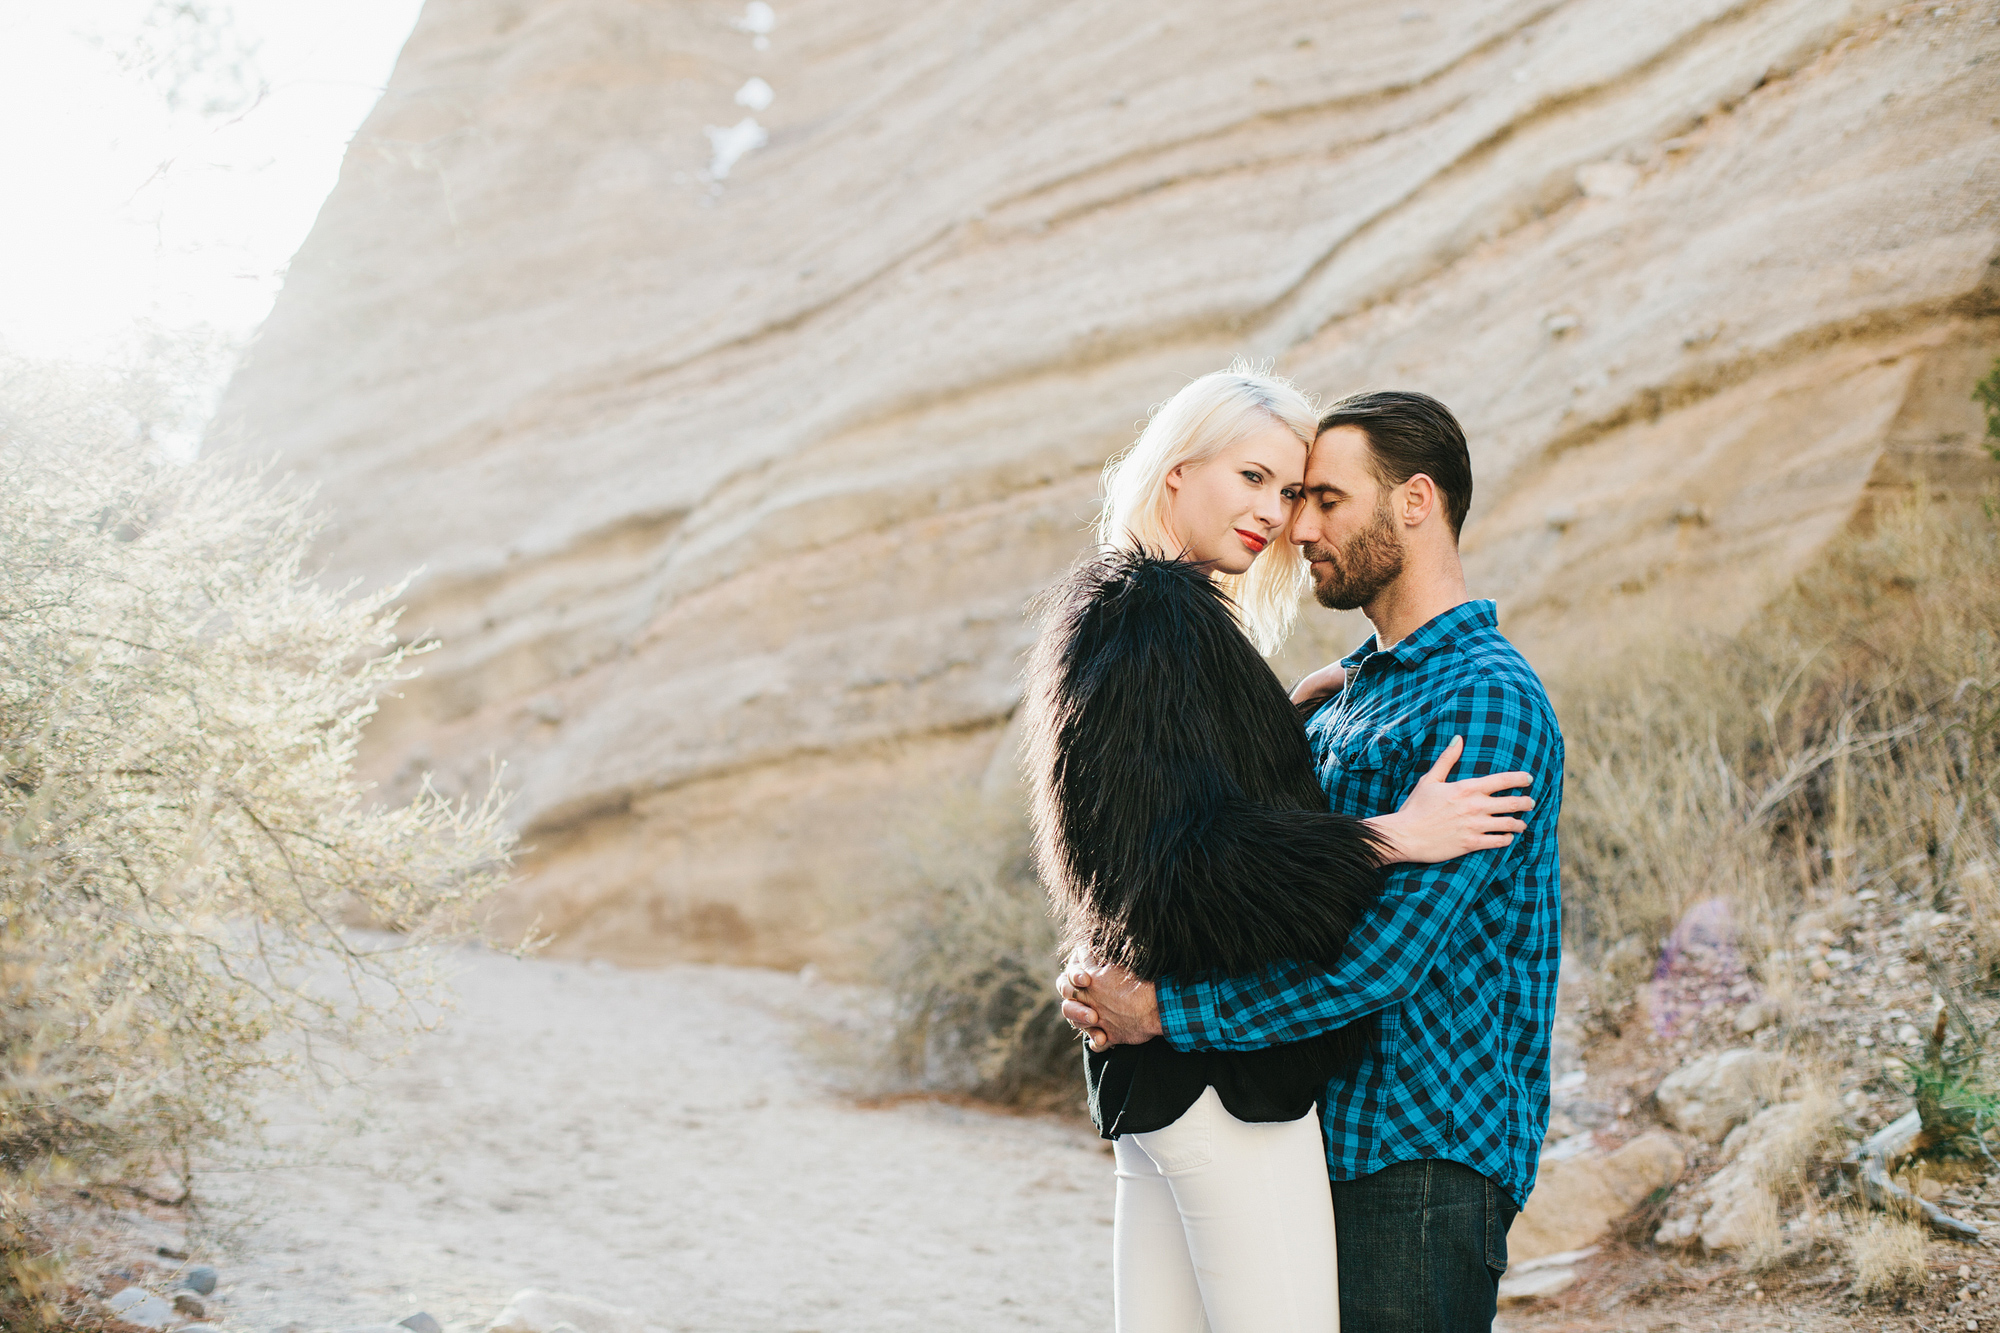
(1361, 567)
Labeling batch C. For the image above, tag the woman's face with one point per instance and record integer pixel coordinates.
(1229, 508)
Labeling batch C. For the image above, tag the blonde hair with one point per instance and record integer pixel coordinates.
(1194, 426)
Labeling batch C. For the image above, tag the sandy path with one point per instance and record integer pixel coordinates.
(655, 1139)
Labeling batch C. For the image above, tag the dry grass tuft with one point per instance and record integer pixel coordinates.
(1766, 1248)
(972, 970)
(1889, 1256)
(1790, 1153)
(1848, 739)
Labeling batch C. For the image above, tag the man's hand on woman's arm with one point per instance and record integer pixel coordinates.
(1441, 819)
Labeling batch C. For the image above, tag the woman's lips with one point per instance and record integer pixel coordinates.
(1255, 541)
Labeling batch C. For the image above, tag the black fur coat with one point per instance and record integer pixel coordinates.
(1178, 822)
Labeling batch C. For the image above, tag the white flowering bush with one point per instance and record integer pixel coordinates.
(182, 840)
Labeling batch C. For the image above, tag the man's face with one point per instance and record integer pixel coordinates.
(1344, 525)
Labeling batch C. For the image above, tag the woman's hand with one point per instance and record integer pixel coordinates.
(1321, 684)
(1442, 819)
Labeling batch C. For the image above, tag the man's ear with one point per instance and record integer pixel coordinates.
(1419, 500)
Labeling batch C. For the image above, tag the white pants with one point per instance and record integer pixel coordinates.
(1224, 1227)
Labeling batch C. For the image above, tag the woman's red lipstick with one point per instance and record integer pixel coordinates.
(1255, 541)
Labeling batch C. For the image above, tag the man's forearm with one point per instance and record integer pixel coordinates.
(1291, 1001)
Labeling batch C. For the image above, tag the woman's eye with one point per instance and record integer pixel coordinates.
(1292, 494)
(1255, 478)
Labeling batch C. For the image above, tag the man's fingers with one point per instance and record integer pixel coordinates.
(1079, 1015)
(1442, 768)
(1097, 1039)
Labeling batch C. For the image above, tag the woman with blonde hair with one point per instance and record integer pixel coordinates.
(1181, 829)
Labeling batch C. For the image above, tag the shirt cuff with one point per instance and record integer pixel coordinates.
(1177, 1014)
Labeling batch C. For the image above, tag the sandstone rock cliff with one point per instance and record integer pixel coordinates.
(728, 493)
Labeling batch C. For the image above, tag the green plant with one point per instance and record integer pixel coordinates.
(1987, 394)
(182, 842)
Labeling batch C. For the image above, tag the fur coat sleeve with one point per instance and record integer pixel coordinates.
(1178, 822)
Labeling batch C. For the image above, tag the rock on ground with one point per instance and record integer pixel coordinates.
(1715, 1094)
(1576, 1199)
(136, 1305)
(1736, 1207)
(660, 1142)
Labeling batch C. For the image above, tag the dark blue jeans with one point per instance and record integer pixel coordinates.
(1422, 1247)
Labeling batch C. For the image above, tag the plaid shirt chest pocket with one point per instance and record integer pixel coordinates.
(1366, 771)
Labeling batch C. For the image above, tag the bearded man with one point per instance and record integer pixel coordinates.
(1432, 1140)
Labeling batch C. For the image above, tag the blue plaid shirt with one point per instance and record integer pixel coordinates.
(1458, 961)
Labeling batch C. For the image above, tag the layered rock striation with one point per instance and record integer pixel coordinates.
(735, 376)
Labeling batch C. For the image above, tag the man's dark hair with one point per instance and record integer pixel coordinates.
(1410, 433)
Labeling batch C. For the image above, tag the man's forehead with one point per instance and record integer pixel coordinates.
(1339, 459)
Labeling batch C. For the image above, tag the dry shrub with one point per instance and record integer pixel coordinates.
(973, 966)
(1848, 738)
(1766, 1247)
(180, 833)
(1789, 1155)
(1889, 1256)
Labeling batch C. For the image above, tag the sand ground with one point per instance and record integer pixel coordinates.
(662, 1140)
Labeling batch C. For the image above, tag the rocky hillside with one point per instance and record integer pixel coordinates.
(736, 374)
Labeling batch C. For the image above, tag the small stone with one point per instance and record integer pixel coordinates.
(1536, 1286)
(200, 1279)
(1819, 971)
(197, 1328)
(420, 1323)
(189, 1304)
(123, 1300)
(136, 1305)
(1678, 1230)
(1755, 1016)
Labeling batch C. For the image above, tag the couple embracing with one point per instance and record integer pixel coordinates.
(1316, 975)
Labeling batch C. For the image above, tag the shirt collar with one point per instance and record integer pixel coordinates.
(1435, 634)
